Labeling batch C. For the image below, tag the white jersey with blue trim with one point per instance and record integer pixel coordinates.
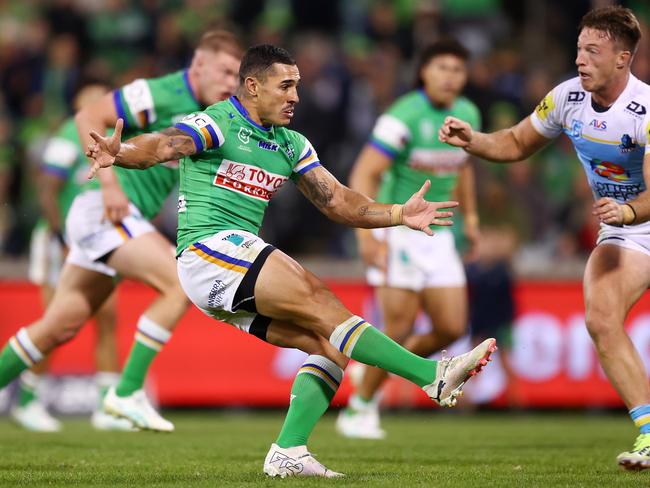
(610, 144)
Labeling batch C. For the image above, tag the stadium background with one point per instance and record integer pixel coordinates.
(355, 58)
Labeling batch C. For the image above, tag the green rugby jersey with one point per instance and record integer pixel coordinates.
(147, 106)
(64, 159)
(237, 168)
(408, 133)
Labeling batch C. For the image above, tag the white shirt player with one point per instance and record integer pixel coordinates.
(610, 144)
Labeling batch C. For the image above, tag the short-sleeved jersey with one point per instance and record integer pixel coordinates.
(408, 133)
(237, 168)
(611, 145)
(147, 106)
(64, 159)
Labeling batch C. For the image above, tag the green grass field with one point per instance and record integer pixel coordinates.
(423, 449)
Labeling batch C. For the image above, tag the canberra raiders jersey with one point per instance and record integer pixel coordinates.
(64, 159)
(237, 168)
(610, 144)
(408, 133)
(148, 106)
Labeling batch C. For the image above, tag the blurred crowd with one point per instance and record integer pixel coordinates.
(355, 58)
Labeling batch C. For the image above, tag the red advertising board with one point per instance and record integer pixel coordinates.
(210, 363)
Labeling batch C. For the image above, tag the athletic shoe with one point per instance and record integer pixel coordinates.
(35, 417)
(294, 461)
(639, 457)
(453, 372)
(137, 409)
(100, 420)
(359, 424)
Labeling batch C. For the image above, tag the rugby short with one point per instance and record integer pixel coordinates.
(417, 261)
(635, 237)
(219, 273)
(92, 236)
(45, 257)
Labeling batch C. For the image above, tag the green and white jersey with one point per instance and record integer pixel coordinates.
(237, 168)
(408, 133)
(147, 106)
(64, 159)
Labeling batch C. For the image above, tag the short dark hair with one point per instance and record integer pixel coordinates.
(258, 60)
(438, 48)
(618, 22)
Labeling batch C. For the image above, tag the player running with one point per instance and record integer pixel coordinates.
(408, 269)
(605, 113)
(62, 177)
(110, 234)
(236, 155)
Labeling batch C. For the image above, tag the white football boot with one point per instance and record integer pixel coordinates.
(295, 461)
(137, 409)
(453, 372)
(35, 417)
(639, 457)
(101, 420)
(360, 420)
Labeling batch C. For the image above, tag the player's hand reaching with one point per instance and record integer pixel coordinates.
(419, 214)
(103, 151)
(455, 132)
(373, 252)
(611, 212)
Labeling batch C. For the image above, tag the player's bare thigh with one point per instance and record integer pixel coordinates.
(286, 291)
(79, 294)
(399, 309)
(447, 309)
(148, 258)
(285, 334)
(615, 278)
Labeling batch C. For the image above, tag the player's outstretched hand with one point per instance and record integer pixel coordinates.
(102, 152)
(419, 214)
(610, 212)
(455, 132)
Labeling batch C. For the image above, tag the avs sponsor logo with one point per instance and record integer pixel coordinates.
(627, 145)
(598, 124)
(636, 108)
(215, 297)
(244, 135)
(269, 146)
(576, 97)
(576, 129)
(289, 150)
(609, 170)
(247, 179)
(181, 206)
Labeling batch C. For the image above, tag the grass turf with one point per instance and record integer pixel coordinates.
(423, 449)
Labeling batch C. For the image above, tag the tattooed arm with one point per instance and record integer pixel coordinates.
(345, 206)
(141, 151)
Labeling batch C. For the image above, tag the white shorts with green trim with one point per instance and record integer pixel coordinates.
(219, 273)
(45, 257)
(417, 261)
(92, 236)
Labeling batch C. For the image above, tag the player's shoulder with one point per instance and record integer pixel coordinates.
(569, 91)
(407, 103)
(68, 130)
(464, 104)
(169, 81)
(637, 102)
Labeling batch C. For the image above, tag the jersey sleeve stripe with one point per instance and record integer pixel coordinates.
(303, 169)
(383, 148)
(193, 134)
(119, 108)
(57, 171)
(302, 158)
(212, 139)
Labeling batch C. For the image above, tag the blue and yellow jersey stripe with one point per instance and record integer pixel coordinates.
(220, 259)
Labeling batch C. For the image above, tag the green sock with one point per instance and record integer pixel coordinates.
(18, 355)
(27, 388)
(149, 340)
(104, 380)
(362, 342)
(311, 393)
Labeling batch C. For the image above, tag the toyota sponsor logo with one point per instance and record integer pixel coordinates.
(247, 179)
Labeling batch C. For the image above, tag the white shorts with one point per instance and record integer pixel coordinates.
(92, 236)
(45, 257)
(219, 273)
(417, 261)
(635, 237)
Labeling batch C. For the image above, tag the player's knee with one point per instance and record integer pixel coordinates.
(600, 326)
(65, 331)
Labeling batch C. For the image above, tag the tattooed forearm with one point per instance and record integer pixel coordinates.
(367, 211)
(319, 190)
(177, 144)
